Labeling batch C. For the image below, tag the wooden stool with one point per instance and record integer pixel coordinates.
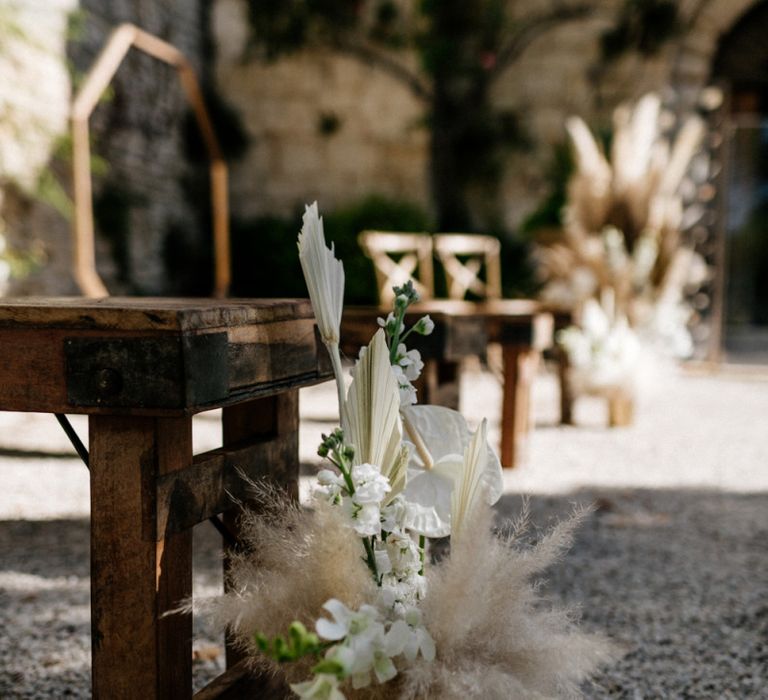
(140, 368)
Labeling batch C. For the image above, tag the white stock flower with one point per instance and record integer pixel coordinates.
(330, 485)
(404, 554)
(370, 485)
(324, 275)
(364, 643)
(410, 361)
(424, 326)
(417, 638)
(344, 621)
(324, 686)
(407, 392)
(365, 519)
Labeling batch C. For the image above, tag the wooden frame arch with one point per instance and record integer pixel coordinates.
(103, 70)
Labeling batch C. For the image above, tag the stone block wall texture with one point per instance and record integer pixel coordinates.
(380, 147)
(379, 144)
(137, 131)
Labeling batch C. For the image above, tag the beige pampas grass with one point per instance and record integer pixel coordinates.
(635, 194)
(495, 637)
(291, 562)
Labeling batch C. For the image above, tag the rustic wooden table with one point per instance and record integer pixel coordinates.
(462, 329)
(140, 368)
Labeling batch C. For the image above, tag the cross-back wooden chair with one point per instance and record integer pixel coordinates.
(398, 257)
(463, 257)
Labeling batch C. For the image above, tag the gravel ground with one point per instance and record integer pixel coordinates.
(673, 565)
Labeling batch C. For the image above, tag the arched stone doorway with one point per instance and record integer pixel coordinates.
(741, 64)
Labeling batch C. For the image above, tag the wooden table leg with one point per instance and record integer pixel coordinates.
(519, 370)
(135, 578)
(263, 419)
(439, 384)
(566, 393)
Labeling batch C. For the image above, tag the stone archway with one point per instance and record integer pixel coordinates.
(741, 64)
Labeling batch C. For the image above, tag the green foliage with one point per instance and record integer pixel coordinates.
(549, 213)
(299, 643)
(643, 26)
(274, 239)
(282, 26)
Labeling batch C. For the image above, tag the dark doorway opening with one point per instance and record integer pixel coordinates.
(741, 64)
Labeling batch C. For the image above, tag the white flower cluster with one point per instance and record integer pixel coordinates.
(407, 365)
(399, 559)
(363, 505)
(366, 644)
(603, 353)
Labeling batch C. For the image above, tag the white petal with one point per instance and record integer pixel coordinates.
(324, 275)
(470, 488)
(372, 413)
(332, 631)
(444, 433)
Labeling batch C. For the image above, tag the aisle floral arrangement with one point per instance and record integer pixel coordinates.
(344, 598)
(603, 351)
(623, 227)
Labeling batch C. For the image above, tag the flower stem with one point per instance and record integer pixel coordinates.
(333, 351)
(371, 557)
(422, 547)
(394, 341)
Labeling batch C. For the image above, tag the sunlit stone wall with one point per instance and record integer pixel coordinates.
(379, 145)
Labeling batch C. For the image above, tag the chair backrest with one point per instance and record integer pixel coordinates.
(463, 256)
(412, 261)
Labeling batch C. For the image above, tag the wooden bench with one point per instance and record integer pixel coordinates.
(140, 368)
(463, 329)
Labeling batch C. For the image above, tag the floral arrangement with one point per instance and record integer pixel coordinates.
(345, 599)
(603, 351)
(623, 225)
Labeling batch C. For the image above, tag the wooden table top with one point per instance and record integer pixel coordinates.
(148, 313)
(153, 356)
(461, 327)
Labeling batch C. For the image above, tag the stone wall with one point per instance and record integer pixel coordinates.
(379, 147)
(321, 126)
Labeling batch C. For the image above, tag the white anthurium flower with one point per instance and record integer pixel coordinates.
(324, 686)
(470, 488)
(372, 415)
(324, 275)
(440, 437)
